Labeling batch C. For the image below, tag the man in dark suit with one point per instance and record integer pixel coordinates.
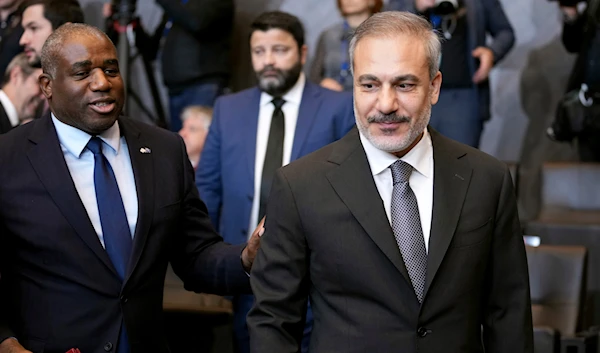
(20, 93)
(92, 208)
(404, 239)
(257, 130)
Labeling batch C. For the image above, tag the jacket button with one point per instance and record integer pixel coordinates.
(422, 331)
(108, 346)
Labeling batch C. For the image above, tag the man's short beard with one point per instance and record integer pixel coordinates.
(282, 83)
(36, 61)
(392, 143)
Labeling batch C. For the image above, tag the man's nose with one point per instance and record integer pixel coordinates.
(24, 39)
(387, 102)
(269, 58)
(99, 81)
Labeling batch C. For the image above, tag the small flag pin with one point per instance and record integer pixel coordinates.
(145, 150)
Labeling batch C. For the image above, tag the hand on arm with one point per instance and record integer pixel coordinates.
(251, 249)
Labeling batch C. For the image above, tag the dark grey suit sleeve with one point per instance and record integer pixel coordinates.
(199, 256)
(279, 276)
(507, 322)
(499, 27)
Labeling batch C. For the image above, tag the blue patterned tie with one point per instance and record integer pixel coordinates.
(406, 223)
(115, 228)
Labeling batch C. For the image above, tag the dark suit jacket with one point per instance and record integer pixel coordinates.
(59, 288)
(225, 176)
(327, 236)
(483, 17)
(5, 125)
(201, 33)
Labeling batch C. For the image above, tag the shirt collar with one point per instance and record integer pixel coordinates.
(9, 108)
(294, 95)
(418, 157)
(75, 140)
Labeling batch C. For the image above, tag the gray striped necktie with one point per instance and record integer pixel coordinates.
(406, 223)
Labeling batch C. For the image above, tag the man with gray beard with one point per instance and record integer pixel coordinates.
(256, 131)
(402, 239)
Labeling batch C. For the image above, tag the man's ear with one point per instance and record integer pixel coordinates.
(436, 84)
(46, 85)
(15, 73)
(303, 54)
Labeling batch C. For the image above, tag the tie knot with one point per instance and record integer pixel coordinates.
(401, 171)
(278, 102)
(95, 145)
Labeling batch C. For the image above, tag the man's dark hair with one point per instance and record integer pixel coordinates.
(57, 12)
(279, 20)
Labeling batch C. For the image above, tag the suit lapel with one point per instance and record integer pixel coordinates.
(143, 172)
(249, 124)
(48, 161)
(354, 184)
(452, 175)
(5, 125)
(309, 106)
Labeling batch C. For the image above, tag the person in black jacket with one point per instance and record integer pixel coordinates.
(10, 32)
(581, 34)
(195, 59)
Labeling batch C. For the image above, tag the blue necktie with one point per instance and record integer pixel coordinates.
(115, 228)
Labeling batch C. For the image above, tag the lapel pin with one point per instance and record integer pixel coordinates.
(145, 150)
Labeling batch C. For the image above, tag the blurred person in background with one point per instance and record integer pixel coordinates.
(256, 131)
(331, 64)
(20, 94)
(40, 18)
(466, 60)
(578, 114)
(195, 56)
(196, 122)
(10, 32)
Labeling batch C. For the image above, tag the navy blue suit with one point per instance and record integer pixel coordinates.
(60, 289)
(225, 175)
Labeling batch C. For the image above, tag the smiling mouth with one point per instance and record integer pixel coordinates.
(103, 107)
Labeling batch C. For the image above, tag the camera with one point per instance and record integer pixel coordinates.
(445, 7)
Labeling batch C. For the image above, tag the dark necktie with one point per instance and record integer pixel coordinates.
(115, 228)
(406, 223)
(273, 156)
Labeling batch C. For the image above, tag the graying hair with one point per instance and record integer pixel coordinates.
(201, 111)
(392, 23)
(54, 43)
(20, 61)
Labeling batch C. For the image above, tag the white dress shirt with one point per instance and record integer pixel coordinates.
(9, 108)
(80, 162)
(265, 113)
(420, 157)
